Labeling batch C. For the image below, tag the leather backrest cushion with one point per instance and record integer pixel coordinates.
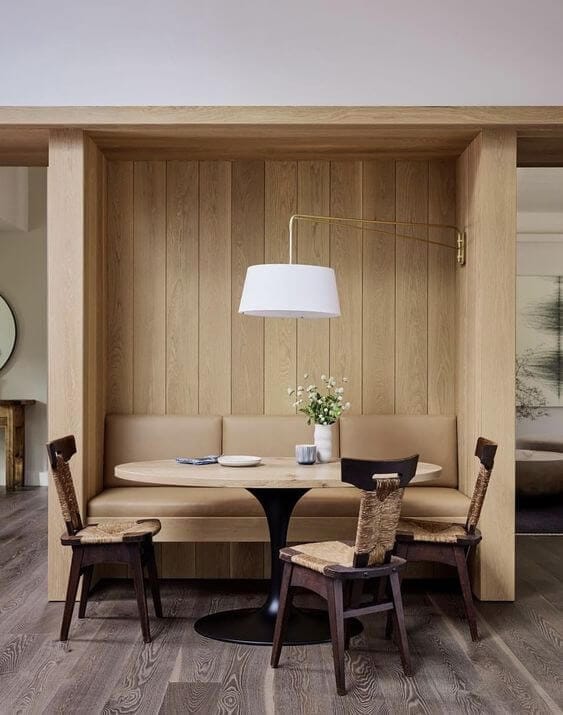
(433, 437)
(268, 436)
(136, 438)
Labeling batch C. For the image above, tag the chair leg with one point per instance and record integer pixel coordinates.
(463, 575)
(135, 561)
(399, 615)
(382, 595)
(356, 589)
(401, 550)
(283, 614)
(86, 584)
(153, 580)
(336, 617)
(72, 588)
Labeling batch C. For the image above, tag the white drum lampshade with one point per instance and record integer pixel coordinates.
(290, 290)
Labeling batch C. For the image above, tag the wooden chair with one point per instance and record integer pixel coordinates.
(128, 542)
(449, 543)
(337, 571)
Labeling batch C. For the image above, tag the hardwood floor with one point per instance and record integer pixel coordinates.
(106, 668)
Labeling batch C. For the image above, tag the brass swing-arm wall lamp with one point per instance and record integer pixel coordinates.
(293, 290)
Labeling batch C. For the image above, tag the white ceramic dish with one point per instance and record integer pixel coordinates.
(239, 460)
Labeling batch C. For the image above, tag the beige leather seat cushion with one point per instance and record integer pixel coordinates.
(136, 438)
(161, 502)
(268, 436)
(433, 437)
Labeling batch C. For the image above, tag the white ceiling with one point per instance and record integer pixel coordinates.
(292, 52)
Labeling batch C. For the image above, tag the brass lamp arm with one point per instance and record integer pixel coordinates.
(373, 224)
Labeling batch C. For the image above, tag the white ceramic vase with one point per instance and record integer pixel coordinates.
(323, 442)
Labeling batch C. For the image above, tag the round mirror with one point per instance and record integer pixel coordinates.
(7, 332)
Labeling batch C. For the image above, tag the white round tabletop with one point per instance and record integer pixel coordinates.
(271, 473)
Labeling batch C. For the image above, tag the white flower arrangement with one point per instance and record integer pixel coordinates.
(323, 406)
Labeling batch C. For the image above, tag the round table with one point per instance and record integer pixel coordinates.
(278, 484)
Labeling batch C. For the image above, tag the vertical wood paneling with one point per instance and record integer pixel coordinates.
(461, 338)
(280, 335)
(149, 279)
(212, 560)
(215, 287)
(467, 368)
(486, 345)
(75, 216)
(496, 198)
(313, 340)
(95, 314)
(379, 290)
(346, 259)
(178, 560)
(65, 296)
(119, 292)
(441, 289)
(411, 313)
(247, 245)
(236, 363)
(182, 287)
(246, 560)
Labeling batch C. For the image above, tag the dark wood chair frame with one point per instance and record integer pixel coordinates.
(453, 554)
(137, 551)
(343, 587)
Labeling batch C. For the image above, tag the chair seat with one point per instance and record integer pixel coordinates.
(438, 532)
(317, 556)
(323, 556)
(115, 532)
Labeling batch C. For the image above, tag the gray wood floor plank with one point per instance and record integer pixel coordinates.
(105, 667)
(502, 672)
(194, 698)
(145, 674)
(86, 685)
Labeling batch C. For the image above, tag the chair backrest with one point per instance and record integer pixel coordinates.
(60, 451)
(485, 451)
(380, 504)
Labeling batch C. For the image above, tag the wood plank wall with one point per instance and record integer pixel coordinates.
(76, 364)
(180, 237)
(486, 345)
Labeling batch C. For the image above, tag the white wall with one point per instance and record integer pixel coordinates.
(23, 282)
(14, 192)
(281, 52)
(540, 258)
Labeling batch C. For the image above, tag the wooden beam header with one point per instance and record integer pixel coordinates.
(99, 117)
(230, 133)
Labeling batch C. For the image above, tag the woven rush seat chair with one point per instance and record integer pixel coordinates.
(449, 543)
(337, 570)
(124, 541)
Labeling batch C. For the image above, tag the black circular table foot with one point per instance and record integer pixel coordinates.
(252, 626)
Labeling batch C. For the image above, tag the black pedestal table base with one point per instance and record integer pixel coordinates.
(255, 626)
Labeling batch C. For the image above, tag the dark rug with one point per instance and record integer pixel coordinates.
(539, 515)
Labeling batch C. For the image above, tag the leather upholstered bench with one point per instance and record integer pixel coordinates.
(207, 514)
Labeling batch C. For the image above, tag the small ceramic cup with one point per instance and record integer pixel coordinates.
(305, 453)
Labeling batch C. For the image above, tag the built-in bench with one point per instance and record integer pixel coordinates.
(206, 514)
